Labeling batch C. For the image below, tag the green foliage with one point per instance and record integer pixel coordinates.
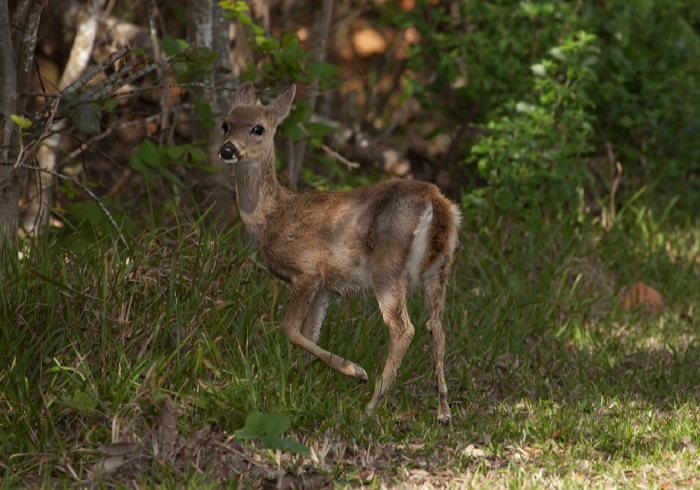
(268, 428)
(479, 57)
(154, 161)
(647, 102)
(530, 157)
(278, 59)
(473, 65)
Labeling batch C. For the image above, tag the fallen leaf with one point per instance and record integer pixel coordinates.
(118, 448)
(472, 451)
(109, 465)
(640, 294)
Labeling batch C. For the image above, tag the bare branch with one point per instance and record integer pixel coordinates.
(97, 69)
(110, 84)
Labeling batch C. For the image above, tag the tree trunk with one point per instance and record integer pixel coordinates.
(13, 69)
(207, 27)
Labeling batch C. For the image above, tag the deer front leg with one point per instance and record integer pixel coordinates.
(304, 292)
(392, 302)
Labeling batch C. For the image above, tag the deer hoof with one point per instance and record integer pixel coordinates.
(361, 374)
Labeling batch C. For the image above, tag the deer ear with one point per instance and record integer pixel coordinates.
(244, 95)
(279, 108)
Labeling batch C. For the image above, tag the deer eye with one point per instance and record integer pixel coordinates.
(224, 127)
(258, 129)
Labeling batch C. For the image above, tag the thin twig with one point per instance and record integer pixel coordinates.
(332, 153)
(88, 191)
(163, 87)
(613, 191)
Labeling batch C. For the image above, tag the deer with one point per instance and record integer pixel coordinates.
(383, 240)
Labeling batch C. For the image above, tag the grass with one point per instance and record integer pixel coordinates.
(125, 369)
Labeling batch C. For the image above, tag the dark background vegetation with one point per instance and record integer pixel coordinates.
(134, 310)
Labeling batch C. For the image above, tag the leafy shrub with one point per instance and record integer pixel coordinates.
(472, 65)
(529, 157)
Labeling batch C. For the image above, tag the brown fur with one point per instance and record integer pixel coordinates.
(378, 240)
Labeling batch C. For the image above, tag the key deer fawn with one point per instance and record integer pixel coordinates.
(381, 240)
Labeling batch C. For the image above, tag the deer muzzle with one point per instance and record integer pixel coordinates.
(229, 153)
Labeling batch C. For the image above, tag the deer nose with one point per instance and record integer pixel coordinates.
(228, 151)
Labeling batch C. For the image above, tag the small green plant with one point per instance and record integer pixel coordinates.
(23, 124)
(268, 428)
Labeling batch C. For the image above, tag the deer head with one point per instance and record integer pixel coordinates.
(249, 129)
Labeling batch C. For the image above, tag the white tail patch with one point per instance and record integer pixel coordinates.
(421, 240)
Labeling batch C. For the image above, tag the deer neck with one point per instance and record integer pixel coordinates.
(258, 193)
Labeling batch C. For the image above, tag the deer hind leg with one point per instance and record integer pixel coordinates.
(392, 302)
(304, 292)
(434, 281)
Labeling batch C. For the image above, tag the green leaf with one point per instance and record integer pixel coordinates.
(205, 114)
(244, 434)
(21, 121)
(85, 117)
(319, 129)
(277, 423)
(296, 447)
(148, 153)
(137, 51)
(173, 46)
(321, 69)
(175, 152)
(284, 444)
(250, 74)
(136, 163)
(109, 104)
(293, 132)
(256, 422)
(170, 176)
(273, 442)
(291, 51)
(210, 169)
(539, 69)
(196, 153)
